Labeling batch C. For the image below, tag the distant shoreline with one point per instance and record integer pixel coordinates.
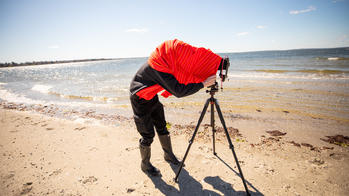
(14, 64)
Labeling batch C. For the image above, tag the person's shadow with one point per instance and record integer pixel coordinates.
(223, 187)
(189, 186)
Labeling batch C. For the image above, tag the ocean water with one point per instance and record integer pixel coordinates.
(319, 77)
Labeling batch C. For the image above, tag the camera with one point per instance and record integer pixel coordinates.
(223, 74)
(223, 68)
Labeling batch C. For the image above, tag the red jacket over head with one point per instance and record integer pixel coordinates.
(188, 64)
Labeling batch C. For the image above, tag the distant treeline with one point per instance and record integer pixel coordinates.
(14, 64)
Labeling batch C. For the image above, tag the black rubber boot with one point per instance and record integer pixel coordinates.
(146, 166)
(165, 141)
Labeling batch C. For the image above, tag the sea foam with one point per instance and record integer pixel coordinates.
(17, 98)
(41, 88)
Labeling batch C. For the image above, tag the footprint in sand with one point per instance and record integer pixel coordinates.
(93, 148)
(337, 156)
(131, 148)
(9, 176)
(130, 190)
(27, 187)
(56, 172)
(89, 180)
(49, 129)
(80, 128)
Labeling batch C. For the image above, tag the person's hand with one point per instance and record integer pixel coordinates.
(209, 81)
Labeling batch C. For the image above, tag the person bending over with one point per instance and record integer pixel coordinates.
(176, 68)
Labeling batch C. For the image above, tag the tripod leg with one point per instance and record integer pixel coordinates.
(192, 139)
(231, 146)
(212, 125)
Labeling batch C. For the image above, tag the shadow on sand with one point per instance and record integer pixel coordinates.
(258, 193)
(189, 186)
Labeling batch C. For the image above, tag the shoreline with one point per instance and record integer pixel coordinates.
(55, 156)
(34, 63)
(299, 129)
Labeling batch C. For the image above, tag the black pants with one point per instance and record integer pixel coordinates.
(148, 114)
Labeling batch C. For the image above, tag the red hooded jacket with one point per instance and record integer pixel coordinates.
(188, 64)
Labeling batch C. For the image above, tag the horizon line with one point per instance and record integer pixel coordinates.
(116, 58)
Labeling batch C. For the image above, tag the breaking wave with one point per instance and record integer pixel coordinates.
(85, 98)
(333, 58)
(41, 88)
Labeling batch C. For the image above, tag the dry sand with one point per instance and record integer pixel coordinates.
(42, 155)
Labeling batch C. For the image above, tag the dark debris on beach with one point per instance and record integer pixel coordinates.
(277, 139)
(276, 133)
(189, 130)
(339, 140)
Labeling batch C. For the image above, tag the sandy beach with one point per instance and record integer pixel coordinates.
(43, 155)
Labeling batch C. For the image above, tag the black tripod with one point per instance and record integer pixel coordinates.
(213, 102)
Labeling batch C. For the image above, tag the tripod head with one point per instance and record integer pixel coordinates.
(212, 89)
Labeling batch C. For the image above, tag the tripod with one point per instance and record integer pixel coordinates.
(213, 101)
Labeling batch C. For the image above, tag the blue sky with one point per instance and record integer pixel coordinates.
(36, 30)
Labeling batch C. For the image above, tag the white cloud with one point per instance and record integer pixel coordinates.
(53, 47)
(242, 34)
(136, 30)
(261, 27)
(310, 8)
